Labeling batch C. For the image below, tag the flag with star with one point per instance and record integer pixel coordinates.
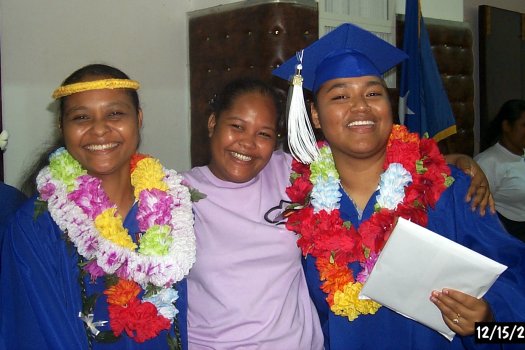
(423, 103)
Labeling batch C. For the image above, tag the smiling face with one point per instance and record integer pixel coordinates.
(243, 137)
(355, 116)
(101, 130)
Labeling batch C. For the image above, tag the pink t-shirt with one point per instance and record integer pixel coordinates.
(247, 289)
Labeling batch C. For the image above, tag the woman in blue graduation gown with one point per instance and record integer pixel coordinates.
(454, 219)
(98, 259)
(351, 191)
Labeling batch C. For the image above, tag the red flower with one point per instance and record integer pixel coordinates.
(299, 220)
(299, 190)
(376, 230)
(414, 192)
(301, 168)
(430, 149)
(417, 215)
(404, 153)
(139, 320)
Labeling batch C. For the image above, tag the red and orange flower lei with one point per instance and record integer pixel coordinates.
(335, 243)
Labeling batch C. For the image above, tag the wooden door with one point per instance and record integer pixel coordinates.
(502, 62)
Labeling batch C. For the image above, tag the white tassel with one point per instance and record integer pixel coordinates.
(301, 137)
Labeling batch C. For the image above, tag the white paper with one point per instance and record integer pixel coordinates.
(414, 262)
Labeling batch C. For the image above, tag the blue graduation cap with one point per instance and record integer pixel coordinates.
(345, 52)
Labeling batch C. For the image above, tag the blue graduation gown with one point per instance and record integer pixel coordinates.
(40, 293)
(386, 329)
(10, 199)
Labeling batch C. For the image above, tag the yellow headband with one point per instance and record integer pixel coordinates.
(71, 89)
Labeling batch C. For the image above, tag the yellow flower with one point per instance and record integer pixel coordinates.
(110, 227)
(147, 175)
(347, 302)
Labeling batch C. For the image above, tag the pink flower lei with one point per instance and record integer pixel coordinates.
(166, 250)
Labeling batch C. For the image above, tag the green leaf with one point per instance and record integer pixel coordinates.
(196, 195)
(106, 337)
(83, 263)
(294, 176)
(40, 207)
(89, 304)
(173, 344)
(110, 280)
(419, 167)
(449, 180)
(151, 290)
(367, 252)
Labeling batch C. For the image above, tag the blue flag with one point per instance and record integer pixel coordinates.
(423, 103)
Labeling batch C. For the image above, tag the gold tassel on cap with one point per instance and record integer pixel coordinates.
(301, 137)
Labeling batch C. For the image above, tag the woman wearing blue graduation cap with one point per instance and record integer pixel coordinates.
(352, 188)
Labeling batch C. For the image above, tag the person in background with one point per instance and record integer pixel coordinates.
(247, 289)
(368, 173)
(504, 165)
(97, 260)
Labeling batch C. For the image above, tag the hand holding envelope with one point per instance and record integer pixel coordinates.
(414, 262)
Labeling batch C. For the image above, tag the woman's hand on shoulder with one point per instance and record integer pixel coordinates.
(478, 193)
(461, 311)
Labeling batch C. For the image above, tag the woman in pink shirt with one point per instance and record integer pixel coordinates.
(247, 289)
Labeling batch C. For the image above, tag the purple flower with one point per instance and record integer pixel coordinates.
(90, 196)
(94, 270)
(90, 244)
(111, 259)
(47, 191)
(367, 266)
(123, 271)
(154, 208)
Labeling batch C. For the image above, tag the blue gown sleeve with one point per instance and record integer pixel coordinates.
(454, 219)
(11, 198)
(38, 286)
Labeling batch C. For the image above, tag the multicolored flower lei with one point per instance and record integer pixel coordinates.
(164, 255)
(415, 175)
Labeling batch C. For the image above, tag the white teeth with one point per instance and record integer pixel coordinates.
(361, 122)
(241, 156)
(101, 147)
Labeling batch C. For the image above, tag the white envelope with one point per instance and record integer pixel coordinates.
(414, 262)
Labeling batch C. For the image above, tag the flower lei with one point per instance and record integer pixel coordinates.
(415, 176)
(164, 255)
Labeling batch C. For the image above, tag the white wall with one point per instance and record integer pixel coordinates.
(451, 10)
(44, 41)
